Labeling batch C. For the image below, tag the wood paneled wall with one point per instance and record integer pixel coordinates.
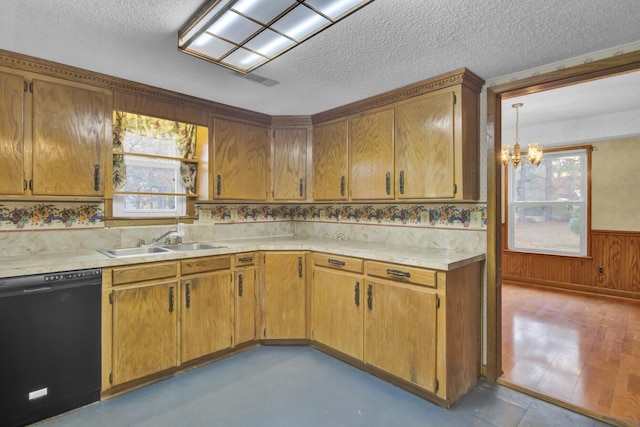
(613, 267)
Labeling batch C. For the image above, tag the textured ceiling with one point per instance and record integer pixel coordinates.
(386, 45)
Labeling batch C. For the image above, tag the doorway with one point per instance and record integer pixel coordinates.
(495, 97)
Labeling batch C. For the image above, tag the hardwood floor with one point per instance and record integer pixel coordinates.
(574, 347)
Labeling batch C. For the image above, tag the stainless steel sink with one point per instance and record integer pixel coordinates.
(127, 252)
(191, 246)
(158, 249)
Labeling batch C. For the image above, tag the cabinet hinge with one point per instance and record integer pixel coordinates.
(110, 377)
(436, 385)
(111, 297)
(437, 301)
(455, 99)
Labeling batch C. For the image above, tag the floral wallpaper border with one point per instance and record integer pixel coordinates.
(50, 216)
(18, 216)
(453, 216)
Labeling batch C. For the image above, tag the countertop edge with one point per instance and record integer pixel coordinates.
(437, 259)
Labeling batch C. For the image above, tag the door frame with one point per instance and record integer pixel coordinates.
(552, 80)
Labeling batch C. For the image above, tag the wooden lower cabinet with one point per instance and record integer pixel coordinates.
(400, 331)
(245, 298)
(206, 319)
(415, 327)
(144, 330)
(337, 306)
(337, 302)
(285, 296)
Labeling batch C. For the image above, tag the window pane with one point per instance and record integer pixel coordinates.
(148, 205)
(145, 145)
(152, 176)
(547, 204)
(553, 228)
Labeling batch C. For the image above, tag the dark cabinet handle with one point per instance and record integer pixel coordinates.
(401, 182)
(171, 299)
(342, 184)
(370, 297)
(299, 266)
(218, 185)
(96, 177)
(388, 183)
(336, 262)
(240, 285)
(301, 186)
(357, 294)
(246, 259)
(187, 295)
(398, 273)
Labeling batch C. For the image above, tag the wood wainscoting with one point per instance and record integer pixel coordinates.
(612, 269)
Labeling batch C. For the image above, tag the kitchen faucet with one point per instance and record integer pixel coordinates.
(156, 240)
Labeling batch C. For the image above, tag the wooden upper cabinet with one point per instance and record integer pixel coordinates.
(330, 161)
(241, 153)
(69, 141)
(371, 155)
(12, 154)
(289, 164)
(53, 137)
(425, 162)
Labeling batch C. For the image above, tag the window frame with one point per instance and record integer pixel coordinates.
(134, 159)
(584, 202)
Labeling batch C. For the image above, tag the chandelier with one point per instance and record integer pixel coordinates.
(534, 151)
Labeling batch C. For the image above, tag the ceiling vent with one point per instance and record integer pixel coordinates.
(256, 78)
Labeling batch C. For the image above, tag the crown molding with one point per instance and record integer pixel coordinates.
(53, 69)
(461, 76)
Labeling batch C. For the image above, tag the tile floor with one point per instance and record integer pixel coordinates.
(578, 348)
(301, 386)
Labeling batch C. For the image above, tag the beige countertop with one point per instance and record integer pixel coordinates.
(437, 259)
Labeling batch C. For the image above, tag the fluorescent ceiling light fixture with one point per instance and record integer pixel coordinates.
(244, 34)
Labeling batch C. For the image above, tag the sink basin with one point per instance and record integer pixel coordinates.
(126, 252)
(191, 246)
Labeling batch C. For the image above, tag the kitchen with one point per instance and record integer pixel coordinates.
(451, 225)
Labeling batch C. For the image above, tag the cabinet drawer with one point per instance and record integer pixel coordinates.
(245, 259)
(200, 265)
(402, 273)
(338, 262)
(143, 272)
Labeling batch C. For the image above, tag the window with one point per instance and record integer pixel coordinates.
(154, 170)
(547, 208)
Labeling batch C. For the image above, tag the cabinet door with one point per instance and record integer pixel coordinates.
(337, 306)
(68, 140)
(400, 331)
(424, 147)
(330, 155)
(12, 174)
(206, 314)
(241, 153)
(144, 331)
(245, 299)
(371, 156)
(285, 312)
(289, 164)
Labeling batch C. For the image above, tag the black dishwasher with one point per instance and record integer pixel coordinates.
(49, 344)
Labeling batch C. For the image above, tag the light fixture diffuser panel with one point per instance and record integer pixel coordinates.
(300, 23)
(263, 11)
(334, 9)
(233, 27)
(269, 43)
